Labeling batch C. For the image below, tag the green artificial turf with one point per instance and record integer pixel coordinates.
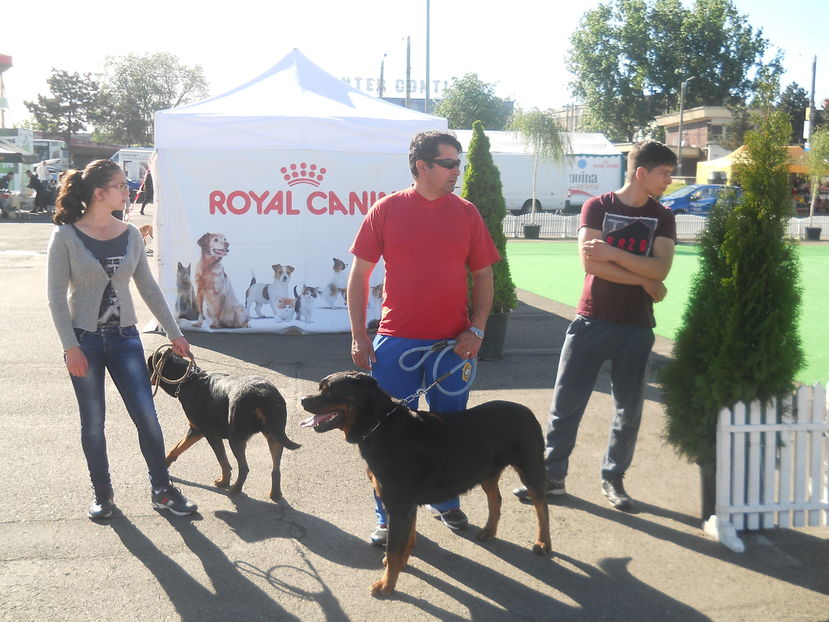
(552, 269)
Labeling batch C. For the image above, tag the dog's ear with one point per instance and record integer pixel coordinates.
(203, 240)
(276, 266)
(180, 267)
(289, 269)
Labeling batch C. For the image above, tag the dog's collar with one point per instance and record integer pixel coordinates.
(381, 420)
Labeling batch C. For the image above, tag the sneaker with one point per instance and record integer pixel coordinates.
(170, 498)
(454, 519)
(614, 490)
(379, 536)
(100, 508)
(554, 487)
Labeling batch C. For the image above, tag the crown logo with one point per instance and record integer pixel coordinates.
(303, 174)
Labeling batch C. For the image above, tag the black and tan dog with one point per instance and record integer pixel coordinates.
(415, 458)
(220, 406)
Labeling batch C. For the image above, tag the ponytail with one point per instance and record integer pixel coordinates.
(78, 187)
(71, 200)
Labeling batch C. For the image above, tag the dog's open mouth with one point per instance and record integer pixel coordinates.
(323, 422)
(222, 252)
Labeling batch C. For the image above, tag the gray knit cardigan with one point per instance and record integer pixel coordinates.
(74, 269)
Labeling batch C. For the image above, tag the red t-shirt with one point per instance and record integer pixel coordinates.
(427, 247)
(634, 229)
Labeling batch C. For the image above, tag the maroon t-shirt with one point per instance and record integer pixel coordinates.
(633, 229)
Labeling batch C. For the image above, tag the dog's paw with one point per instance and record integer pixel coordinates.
(542, 548)
(275, 495)
(381, 588)
(222, 482)
(486, 534)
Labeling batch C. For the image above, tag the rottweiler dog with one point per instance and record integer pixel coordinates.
(220, 406)
(418, 457)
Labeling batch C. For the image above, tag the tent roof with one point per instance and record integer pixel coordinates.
(797, 156)
(581, 143)
(294, 105)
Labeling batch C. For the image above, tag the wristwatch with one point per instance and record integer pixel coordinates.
(477, 332)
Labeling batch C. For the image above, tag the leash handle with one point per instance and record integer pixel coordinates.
(443, 347)
(158, 364)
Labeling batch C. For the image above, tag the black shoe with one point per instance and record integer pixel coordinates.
(454, 519)
(554, 487)
(171, 499)
(614, 490)
(101, 507)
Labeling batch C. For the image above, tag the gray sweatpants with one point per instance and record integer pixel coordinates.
(588, 344)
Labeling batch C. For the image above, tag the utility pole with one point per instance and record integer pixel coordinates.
(380, 87)
(408, 72)
(681, 114)
(427, 106)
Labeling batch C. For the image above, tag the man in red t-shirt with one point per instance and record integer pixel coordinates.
(428, 238)
(626, 244)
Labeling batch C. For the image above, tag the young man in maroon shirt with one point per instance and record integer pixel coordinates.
(626, 244)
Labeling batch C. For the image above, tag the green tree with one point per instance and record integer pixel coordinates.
(136, 87)
(543, 135)
(470, 99)
(794, 101)
(629, 58)
(818, 164)
(71, 107)
(482, 186)
(738, 340)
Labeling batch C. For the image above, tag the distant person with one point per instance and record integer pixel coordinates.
(41, 201)
(626, 244)
(5, 189)
(147, 196)
(92, 259)
(430, 239)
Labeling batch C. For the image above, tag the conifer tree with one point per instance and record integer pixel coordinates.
(482, 186)
(739, 339)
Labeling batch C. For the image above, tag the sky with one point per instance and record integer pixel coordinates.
(519, 46)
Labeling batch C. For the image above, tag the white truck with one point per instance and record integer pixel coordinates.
(594, 166)
(134, 161)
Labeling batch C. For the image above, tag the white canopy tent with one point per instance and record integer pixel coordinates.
(284, 167)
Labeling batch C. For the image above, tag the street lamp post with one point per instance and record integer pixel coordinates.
(380, 85)
(681, 115)
(427, 106)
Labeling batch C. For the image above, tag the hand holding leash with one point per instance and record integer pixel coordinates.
(181, 347)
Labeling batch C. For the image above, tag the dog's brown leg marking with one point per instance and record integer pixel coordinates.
(187, 441)
(397, 557)
(493, 499)
(276, 458)
(543, 544)
(218, 446)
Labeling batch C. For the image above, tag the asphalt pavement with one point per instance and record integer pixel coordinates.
(307, 557)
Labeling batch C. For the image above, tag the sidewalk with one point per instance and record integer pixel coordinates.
(308, 557)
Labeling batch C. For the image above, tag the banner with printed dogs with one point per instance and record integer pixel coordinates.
(260, 243)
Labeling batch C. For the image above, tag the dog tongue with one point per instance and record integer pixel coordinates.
(314, 420)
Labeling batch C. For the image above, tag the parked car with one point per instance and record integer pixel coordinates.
(696, 199)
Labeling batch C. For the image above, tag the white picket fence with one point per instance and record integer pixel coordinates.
(688, 227)
(772, 465)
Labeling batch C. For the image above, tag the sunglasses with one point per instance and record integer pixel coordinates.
(446, 162)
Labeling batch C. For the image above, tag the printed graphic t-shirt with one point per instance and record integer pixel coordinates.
(633, 229)
(110, 253)
(427, 247)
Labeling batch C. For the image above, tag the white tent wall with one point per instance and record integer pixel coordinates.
(284, 168)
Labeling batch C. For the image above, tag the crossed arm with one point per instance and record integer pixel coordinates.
(618, 266)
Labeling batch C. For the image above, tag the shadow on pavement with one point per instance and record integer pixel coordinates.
(192, 600)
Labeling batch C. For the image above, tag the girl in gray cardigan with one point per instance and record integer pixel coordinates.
(92, 258)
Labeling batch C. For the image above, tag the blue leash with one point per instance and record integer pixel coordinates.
(443, 347)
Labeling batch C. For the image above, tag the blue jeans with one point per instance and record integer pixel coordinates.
(587, 345)
(402, 384)
(119, 351)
